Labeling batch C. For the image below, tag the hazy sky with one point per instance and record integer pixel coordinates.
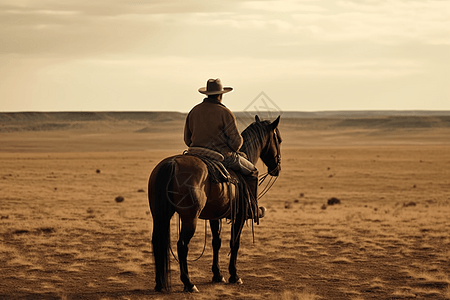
(307, 55)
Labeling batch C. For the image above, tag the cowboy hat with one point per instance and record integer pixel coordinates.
(214, 87)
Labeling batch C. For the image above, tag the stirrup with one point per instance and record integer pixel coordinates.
(261, 211)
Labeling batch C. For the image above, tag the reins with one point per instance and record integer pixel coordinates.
(268, 186)
(204, 244)
(272, 179)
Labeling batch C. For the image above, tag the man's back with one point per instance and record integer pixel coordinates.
(211, 125)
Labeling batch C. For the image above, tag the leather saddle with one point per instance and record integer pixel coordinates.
(218, 173)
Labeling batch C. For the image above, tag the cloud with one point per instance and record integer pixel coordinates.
(92, 49)
(116, 7)
(394, 21)
(41, 12)
(82, 27)
(70, 31)
(286, 6)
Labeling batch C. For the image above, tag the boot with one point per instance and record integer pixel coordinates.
(252, 185)
(250, 173)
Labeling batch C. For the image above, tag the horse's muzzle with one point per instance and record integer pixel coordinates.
(275, 172)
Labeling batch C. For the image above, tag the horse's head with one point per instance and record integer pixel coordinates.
(262, 140)
(270, 153)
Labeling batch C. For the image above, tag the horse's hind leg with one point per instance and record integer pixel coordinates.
(187, 232)
(216, 243)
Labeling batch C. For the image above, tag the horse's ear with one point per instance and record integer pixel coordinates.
(257, 119)
(274, 124)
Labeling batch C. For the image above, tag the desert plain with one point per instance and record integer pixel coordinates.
(63, 235)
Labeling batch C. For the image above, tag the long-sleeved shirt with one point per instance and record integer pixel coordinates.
(212, 125)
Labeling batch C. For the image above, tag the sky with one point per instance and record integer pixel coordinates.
(303, 55)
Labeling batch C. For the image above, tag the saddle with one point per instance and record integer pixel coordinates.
(213, 161)
(218, 173)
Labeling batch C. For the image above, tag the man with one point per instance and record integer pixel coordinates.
(212, 125)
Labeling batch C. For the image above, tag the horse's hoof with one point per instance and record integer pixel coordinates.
(236, 281)
(219, 279)
(193, 289)
(159, 289)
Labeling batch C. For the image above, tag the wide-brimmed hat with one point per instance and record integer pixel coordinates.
(214, 87)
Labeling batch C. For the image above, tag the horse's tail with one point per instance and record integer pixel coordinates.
(162, 213)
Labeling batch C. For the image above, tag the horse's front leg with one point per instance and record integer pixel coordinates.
(216, 243)
(187, 232)
(234, 245)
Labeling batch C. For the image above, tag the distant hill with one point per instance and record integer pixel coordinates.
(88, 121)
(19, 117)
(344, 113)
(153, 122)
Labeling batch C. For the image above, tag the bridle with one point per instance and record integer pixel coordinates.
(273, 177)
(278, 155)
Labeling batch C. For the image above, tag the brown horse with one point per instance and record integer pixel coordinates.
(180, 184)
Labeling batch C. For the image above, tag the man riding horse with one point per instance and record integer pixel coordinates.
(195, 185)
(212, 125)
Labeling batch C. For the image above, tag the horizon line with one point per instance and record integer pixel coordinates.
(238, 111)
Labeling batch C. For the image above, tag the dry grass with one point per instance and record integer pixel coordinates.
(66, 238)
(306, 294)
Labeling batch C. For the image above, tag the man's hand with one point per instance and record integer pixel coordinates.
(242, 154)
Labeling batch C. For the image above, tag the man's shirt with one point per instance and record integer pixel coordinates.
(212, 125)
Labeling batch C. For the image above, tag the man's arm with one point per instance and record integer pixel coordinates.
(234, 137)
(187, 133)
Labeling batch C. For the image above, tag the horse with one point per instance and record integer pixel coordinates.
(180, 184)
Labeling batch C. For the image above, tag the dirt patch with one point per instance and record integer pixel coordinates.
(64, 237)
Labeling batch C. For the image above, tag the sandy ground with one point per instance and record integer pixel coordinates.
(63, 236)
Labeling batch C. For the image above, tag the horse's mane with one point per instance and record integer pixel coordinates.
(254, 136)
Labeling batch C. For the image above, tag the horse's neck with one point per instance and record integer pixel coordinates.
(252, 152)
(255, 138)
(253, 157)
